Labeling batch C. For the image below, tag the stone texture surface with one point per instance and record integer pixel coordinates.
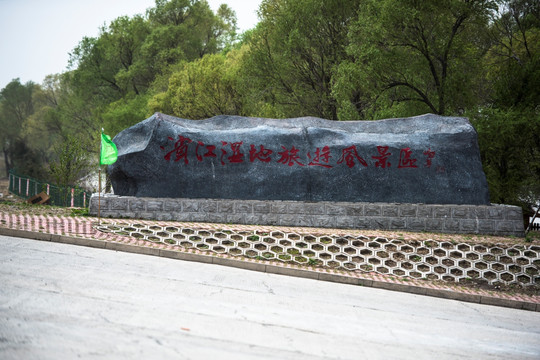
(456, 219)
(426, 159)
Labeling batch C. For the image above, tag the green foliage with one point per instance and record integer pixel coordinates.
(27, 160)
(116, 73)
(125, 112)
(17, 101)
(294, 52)
(72, 161)
(80, 212)
(514, 58)
(509, 125)
(510, 149)
(204, 88)
(421, 55)
(16, 104)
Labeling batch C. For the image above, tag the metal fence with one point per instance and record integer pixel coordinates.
(26, 187)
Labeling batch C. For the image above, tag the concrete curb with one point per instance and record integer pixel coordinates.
(273, 269)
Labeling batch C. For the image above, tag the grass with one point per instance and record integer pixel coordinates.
(532, 236)
(80, 212)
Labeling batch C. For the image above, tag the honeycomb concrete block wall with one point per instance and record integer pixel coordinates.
(427, 259)
(502, 220)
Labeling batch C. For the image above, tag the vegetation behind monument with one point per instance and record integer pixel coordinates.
(340, 60)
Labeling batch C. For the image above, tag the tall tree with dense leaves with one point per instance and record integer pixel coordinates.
(508, 121)
(71, 162)
(109, 66)
(58, 114)
(514, 58)
(415, 56)
(185, 30)
(204, 88)
(116, 73)
(294, 52)
(16, 106)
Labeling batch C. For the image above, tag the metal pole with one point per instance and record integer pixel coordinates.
(532, 221)
(99, 198)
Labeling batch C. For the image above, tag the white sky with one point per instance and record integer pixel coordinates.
(36, 36)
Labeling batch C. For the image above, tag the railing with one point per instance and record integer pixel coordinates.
(26, 187)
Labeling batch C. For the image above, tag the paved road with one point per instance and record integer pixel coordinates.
(62, 301)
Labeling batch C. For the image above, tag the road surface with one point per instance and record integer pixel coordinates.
(61, 301)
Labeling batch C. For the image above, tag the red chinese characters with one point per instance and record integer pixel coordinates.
(349, 155)
(237, 156)
(209, 151)
(430, 154)
(262, 154)
(289, 157)
(320, 158)
(405, 160)
(383, 157)
(180, 149)
(235, 152)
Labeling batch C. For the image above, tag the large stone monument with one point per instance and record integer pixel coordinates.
(419, 174)
(426, 159)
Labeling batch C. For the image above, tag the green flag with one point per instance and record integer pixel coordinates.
(109, 153)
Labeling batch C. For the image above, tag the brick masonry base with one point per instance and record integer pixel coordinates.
(500, 220)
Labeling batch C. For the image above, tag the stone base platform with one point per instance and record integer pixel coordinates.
(500, 220)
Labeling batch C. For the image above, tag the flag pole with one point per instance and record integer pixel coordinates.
(99, 181)
(107, 156)
(99, 197)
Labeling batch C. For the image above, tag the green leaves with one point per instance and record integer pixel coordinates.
(204, 88)
(510, 152)
(116, 70)
(294, 53)
(415, 53)
(16, 104)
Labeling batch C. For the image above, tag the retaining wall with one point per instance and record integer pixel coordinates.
(420, 259)
(502, 220)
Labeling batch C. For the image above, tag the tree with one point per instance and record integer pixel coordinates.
(71, 164)
(510, 150)
(508, 121)
(419, 55)
(116, 73)
(204, 88)
(42, 126)
(514, 57)
(125, 112)
(112, 66)
(124, 39)
(16, 106)
(294, 52)
(185, 30)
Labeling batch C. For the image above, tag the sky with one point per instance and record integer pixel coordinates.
(36, 36)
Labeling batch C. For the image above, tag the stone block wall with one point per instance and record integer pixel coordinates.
(502, 220)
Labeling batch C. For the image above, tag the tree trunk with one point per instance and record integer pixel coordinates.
(6, 162)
